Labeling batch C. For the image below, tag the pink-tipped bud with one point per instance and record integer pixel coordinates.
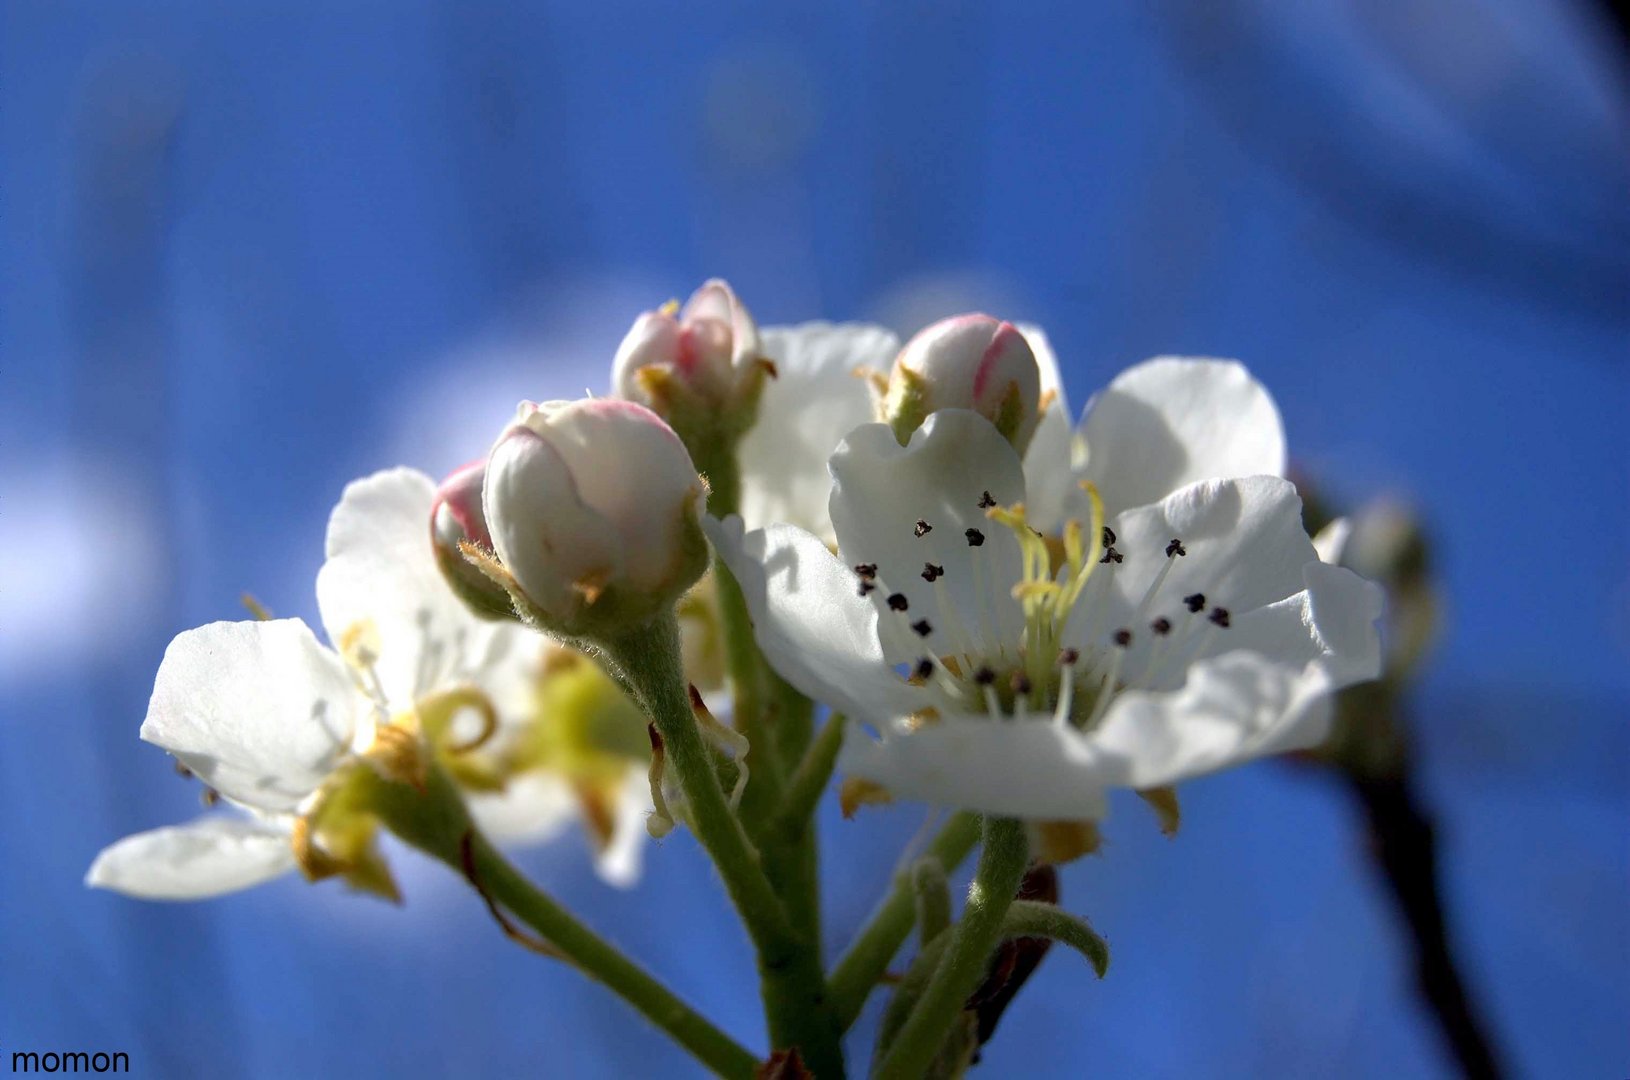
(707, 351)
(594, 510)
(970, 362)
(456, 519)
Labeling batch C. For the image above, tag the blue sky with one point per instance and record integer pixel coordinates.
(248, 253)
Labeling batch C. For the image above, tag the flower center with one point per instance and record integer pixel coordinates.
(1071, 656)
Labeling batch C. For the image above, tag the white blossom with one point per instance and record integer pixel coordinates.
(1002, 670)
(264, 714)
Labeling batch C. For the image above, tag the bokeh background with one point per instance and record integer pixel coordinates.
(251, 251)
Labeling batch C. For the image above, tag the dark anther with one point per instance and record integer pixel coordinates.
(922, 528)
(867, 586)
(1219, 615)
(1161, 626)
(923, 627)
(1123, 638)
(209, 797)
(1068, 657)
(1176, 548)
(1109, 536)
(1020, 683)
(925, 668)
(867, 570)
(1037, 532)
(986, 502)
(931, 572)
(898, 602)
(975, 537)
(182, 771)
(1195, 602)
(1111, 555)
(984, 676)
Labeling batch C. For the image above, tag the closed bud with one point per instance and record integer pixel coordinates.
(457, 519)
(706, 356)
(967, 362)
(594, 511)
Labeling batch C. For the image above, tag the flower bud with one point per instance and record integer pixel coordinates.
(967, 362)
(701, 365)
(594, 510)
(457, 518)
(712, 340)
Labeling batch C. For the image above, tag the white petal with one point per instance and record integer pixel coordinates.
(1052, 493)
(1332, 540)
(1233, 708)
(1170, 421)
(1332, 620)
(816, 398)
(533, 808)
(204, 858)
(880, 490)
(619, 863)
(1052, 379)
(1245, 544)
(1030, 769)
(807, 618)
(381, 569)
(1268, 694)
(259, 710)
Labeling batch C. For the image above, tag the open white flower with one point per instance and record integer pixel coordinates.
(1013, 673)
(265, 715)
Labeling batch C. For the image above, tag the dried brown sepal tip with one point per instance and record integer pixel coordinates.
(855, 792)
(1163, 801)
(783, 1065)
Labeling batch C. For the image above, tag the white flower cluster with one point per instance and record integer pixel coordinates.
(1014, 612)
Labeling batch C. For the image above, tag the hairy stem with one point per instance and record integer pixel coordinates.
(1002, 861)
(863, 964)
(435, 821)
(794, 989)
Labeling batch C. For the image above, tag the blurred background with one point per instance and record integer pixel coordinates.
(252, 251)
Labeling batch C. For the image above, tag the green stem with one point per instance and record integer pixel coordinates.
(775, 718)
(868, 956)
(808, 782)
(794, 989)
(602, 962)
(747, 679)
(794, 719)
(435, 821)
(1002, 863)
(789, 841)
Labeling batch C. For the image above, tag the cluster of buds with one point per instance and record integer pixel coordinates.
(584, 518)
(700, 367)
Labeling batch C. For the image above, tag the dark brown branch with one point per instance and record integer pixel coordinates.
(1404, 848)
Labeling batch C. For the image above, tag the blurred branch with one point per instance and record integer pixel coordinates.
(1404, 846)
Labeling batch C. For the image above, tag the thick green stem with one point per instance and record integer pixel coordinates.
(775, 718)
(789, 840)
(1002, 863)
(867, 958)
(435, 821)
(794, 988)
